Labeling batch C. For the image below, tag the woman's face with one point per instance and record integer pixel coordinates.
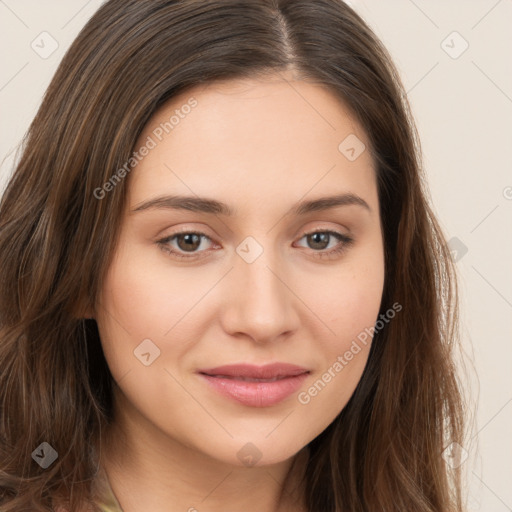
(232, 275)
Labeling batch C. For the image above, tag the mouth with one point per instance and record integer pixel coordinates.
(247, 379)
(255, 386)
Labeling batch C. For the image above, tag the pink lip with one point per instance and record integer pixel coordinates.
(230, 381)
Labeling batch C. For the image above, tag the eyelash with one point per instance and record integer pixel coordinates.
(345, 243)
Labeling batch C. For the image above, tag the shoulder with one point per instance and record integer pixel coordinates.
(85, 508)
(104, 499)
(94, 506)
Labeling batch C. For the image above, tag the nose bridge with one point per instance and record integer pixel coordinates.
(259, 302)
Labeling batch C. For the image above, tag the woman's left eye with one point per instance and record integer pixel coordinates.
(321, 236)
(190, 241)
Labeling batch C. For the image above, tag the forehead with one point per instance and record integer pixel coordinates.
(252, 138)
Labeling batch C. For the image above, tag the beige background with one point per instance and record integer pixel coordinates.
(462, 102)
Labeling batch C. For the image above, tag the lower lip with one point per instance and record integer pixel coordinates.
(256, 394)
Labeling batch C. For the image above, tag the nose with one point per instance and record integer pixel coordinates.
(259, 301)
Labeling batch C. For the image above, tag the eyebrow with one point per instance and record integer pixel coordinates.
(212, 206)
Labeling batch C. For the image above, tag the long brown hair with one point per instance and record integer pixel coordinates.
(384, 450)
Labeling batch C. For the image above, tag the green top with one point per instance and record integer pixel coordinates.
(105, 500)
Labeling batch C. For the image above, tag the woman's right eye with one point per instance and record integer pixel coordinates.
(187, 241)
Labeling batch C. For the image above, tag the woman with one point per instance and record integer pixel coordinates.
(222, 284)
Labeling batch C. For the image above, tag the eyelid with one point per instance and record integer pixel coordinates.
(345, 240)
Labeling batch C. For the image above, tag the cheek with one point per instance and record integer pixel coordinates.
(348, 305)
(352, 310)
(348, 300)
(137, 303)
(344, 356)
(145, 296)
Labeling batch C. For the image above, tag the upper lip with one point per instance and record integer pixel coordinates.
(267, 371)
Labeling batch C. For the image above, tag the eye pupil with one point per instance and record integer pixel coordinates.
(319, 238)
(193, 241)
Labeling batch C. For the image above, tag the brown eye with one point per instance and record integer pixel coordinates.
(319, 241)
(179, 244)
(188, 241)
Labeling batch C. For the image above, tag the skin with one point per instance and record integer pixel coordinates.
(259, 145)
